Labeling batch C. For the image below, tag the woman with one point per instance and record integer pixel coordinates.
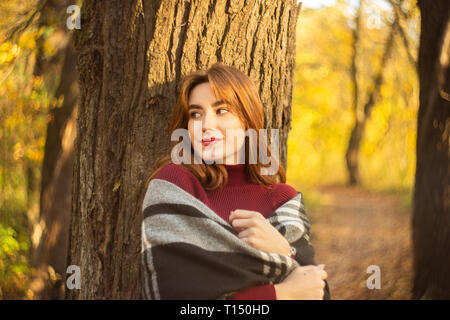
(212, 103)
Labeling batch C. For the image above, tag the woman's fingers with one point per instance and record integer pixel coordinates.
(244, 214)
(308, 267)
(244, 219)
(254, 229)
(243, 223)
(250, 240)
(239, 230)
(249, 232)
(323, 274)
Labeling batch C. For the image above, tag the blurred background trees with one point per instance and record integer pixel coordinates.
(38, 97)
(351, 149)
(354, 122)
(356, 97)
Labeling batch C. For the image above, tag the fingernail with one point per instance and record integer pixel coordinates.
(321, 265)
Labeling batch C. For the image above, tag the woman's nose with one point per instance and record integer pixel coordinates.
(209, 121)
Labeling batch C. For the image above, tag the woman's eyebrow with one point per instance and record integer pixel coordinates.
(214, 105)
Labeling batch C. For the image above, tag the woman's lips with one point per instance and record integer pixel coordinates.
(207, 142)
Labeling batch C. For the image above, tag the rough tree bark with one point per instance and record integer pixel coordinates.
(132, 58)
(431, 207)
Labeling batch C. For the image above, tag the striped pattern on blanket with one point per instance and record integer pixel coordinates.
(189, 252)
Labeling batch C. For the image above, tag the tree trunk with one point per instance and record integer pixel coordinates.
(132, 58)
(351, 155)
(50, 249)
(431, 208)
(357, 133)
(48, 252)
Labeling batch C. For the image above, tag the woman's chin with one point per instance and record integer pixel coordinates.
(210, 159)
(209, 156)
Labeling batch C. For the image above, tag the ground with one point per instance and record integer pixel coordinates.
(353, 229)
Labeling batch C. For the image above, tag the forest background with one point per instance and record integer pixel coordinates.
(350, 56)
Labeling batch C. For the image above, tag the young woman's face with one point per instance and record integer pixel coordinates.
(209, 118)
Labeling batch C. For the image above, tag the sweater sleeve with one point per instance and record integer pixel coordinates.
(264, 292)
(282, 193)
(183, 178)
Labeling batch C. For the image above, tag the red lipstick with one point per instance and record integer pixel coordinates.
(208, 141)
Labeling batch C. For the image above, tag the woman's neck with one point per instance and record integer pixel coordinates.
(237, 174)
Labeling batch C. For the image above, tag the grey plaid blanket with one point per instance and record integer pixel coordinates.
(189, 252)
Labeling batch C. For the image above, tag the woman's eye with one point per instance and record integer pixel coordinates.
(224, 110)
(192, 114)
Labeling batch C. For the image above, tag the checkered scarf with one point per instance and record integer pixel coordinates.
(189, 252)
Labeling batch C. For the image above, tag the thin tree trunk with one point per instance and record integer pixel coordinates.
(351, 155)
(48, 253)
(133, 56)
(431, 208)
(357, 132)
(56, 188)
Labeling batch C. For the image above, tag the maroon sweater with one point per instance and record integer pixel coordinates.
(239, 193)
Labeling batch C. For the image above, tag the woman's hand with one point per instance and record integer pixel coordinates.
(253, 228)
(304, 283)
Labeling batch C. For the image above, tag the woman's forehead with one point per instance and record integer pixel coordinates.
(201, 91)
(202, 96)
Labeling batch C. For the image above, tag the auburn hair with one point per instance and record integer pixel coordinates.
(237, 90)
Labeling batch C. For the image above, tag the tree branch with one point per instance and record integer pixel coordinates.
(379, 77)
(19, 28)
(398, 11)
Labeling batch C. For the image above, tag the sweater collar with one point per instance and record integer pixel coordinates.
(237, 174)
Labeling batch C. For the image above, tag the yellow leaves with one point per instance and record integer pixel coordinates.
(32, 153)
(24, 102)
(48, 48)
(28, 40)
(38, 81)
(53, 275)
(12, 267)
(35, 155)
(24, 106)
(34, 95)
(322, 110)
(18, 152)
(8, 52)
(12, 122)
(8, 244)
(26, 43)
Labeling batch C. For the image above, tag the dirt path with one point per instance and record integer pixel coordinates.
(355, 229)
